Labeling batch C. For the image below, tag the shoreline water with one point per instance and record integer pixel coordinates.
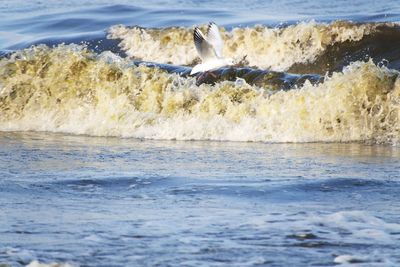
(243, 203)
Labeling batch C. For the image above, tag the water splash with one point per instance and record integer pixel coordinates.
(277, 49)
(70, 89)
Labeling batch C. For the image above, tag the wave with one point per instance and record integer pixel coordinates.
(72, 90)
(307, 47)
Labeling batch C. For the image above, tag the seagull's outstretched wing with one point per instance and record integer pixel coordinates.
(214, 38)
(203, 47)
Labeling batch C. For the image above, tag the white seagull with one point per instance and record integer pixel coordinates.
(209, 49)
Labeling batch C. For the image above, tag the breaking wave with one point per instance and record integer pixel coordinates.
(72, 90)
(307, 47)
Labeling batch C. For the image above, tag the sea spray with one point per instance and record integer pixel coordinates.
(72, 90)
(277, 49)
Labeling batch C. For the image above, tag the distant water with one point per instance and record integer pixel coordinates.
(111, 155)
(27, 22)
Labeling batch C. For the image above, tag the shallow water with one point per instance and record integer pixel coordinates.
(296, 163)
(109, 201)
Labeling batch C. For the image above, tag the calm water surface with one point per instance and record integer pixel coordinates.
(23, 23)
(115, 202)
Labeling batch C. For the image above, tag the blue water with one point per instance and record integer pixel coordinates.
(124, 202)
(23, 23)
(91, 201)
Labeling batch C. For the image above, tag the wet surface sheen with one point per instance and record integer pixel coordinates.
(118, 202)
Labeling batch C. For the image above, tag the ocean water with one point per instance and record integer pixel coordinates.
(111, 154)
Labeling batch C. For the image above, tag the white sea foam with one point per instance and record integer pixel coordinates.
(67, 90)
(364, 260)
(36, 263)
(264, 47)
(362, 227)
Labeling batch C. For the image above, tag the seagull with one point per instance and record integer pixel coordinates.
(209, 49)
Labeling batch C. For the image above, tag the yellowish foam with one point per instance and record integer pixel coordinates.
(68, 89)
(268, 48)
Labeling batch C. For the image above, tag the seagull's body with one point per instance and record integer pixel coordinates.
(209, 49)
(210, 65)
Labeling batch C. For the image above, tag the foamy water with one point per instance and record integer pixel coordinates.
(67, 89)
(264, 47)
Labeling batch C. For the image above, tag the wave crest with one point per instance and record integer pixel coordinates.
(69, 89)
(269, 48)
